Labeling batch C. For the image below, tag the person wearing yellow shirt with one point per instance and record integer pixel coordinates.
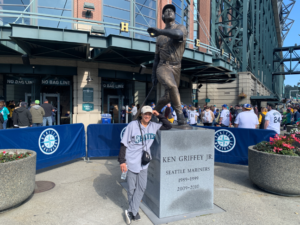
(261, 117)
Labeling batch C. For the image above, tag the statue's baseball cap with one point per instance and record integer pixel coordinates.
(171, 6)
(146, 109)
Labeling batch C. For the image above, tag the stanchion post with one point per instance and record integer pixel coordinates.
(126, 114)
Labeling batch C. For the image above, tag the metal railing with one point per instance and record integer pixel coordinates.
(31, 15)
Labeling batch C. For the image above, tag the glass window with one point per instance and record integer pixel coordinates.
(196, 31)
(58, 8)
(145, 16)
(116, 11)
(186, 16)
(52, 7)
(178, 6)
(14, 5)
(124, 4)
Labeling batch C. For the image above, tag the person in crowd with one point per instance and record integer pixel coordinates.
(174, 116)
(185, 112)
(1, 121)
(22, 117)
(217, 117)
(272, 119)
(138, 107)
(256, 110)
(199, 117)
(231, 110)
(11, 107)
(297, 115)
(224, 120)
(215, 108)
(53, 115)
(261, 118)
(236, 111)
(31, 104)
(37, 113)
(288, 119)
(199, 109)
(133, 111)
(123, 115)
(5, 113)
(48, 108)
(152, 105)
(67, 114)
(168, 113)
(193, 116)
(130, 157)
(15, 117)
(246, 119)
(207, 117)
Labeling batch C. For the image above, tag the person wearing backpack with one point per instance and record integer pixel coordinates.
(207, 117)
(261, 118)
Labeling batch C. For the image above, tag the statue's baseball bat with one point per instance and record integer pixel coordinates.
(138, 113)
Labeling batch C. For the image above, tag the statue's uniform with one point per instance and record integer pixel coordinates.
(170, 52)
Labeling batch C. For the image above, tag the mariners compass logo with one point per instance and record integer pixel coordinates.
(224, 140)
(122, 132)
(49, 141)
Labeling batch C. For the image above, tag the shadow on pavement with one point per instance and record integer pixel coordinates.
(107, 185)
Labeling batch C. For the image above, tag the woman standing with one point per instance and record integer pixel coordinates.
(136, 141)
(5, 112)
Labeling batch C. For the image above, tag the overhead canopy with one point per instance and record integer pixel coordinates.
(75, 44)
(10, 48)
(51, 42)
(120, 49)
(265, 98)
(217, 78)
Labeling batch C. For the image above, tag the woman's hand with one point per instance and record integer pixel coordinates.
(123, 167)
(155, 113)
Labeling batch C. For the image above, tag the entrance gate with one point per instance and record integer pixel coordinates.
(54, 100)
(114, 107)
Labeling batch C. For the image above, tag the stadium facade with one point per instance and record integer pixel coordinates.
(85, 56)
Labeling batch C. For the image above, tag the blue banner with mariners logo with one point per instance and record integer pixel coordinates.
(231, 144)
(53, 144)
(104, 139)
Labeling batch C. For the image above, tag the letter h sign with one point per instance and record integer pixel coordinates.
(123, 27)
(197, 42)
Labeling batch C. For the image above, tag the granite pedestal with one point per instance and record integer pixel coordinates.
(181, 173)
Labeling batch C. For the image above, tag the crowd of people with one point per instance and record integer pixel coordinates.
(21, 116)
(245, 116)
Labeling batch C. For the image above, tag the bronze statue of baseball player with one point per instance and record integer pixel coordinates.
(170, 47)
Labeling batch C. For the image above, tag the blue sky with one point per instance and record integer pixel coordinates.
(292, 39)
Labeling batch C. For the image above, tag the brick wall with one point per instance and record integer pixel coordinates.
(204, 10)
(80, 13)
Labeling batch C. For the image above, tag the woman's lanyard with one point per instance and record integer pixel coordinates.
(143, 136)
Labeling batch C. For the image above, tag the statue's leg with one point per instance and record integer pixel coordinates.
(168, 76)
(163, 75)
